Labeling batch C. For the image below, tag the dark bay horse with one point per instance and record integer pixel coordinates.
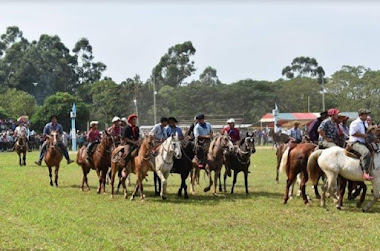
(101, 161)
(294, 162)
(21, 147)
(53, 155)
(239, 161)
(183, 167)
(278, 138)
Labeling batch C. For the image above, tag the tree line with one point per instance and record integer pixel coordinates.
(38, 78)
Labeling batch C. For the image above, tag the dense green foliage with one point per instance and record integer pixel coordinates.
(34, 215)
(44, 67)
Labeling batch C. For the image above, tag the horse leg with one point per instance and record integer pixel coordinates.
(216, 177)
(376, 195)
(84, 180)
(184, 186)
(289, 182)
(304, 179)
(220, 181)
(161, 177)
(104, 178)
(362, 197)
(210, 180)
(113, 175)
(342, 189)
(157, 184)
(224, 181)
(192, 182)
(135, 190)
(100, 181)
(234, 182)
(246, 181)
(315, 187)
(332, 186)
(19, 159)
(50, 176)
(141, 188)
(24, 158)
(56, 175)
(122, 179)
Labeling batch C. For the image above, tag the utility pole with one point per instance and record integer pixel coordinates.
(323, 94)
(154, 100)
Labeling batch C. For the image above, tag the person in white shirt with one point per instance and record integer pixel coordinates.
(17, 133)
(358, 129)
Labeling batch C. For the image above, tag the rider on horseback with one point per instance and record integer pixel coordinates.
(115, 130)
(159, 131)
(190, 132)
(295, 134)
(130, 136)
(313, 127)
(93, 138)
(232, 131)
(53, 126)
(328, 130)
(357, 140)
(202, 133)
(172, 128)
(18, 132)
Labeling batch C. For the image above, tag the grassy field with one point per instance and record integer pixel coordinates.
(34, 215)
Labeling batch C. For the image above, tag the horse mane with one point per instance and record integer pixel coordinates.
(213, 143)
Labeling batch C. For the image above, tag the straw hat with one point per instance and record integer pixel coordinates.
(231, 120)
(371, 128)
(115, 119)
(93, 123)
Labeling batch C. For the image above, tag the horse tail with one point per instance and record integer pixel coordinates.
(313, 168)
(284, 160)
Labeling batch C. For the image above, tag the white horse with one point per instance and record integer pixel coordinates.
(163, 162)
(333, 162)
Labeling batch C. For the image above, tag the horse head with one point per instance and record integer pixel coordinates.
(225, 143)
(176, 146)
(249, 143)
(53, 138)
(148, 142)
(107, 140)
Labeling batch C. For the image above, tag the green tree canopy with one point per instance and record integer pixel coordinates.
(17, 103)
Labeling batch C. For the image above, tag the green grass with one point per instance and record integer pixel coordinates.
(34, 215)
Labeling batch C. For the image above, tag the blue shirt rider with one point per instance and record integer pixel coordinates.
(49, 127)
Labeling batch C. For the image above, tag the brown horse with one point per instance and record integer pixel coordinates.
(21, 147)
(101, 161)
(218, 146)
(53, 155)
(295, 162)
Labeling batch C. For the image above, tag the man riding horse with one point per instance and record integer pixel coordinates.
(232, 131)
(313, 127)
(18, 132)
(115, 130)
(131, 137)
(203, 134)
(358, 136)
(49, 127)
(93, 138)
(328, 129)
(173, 129)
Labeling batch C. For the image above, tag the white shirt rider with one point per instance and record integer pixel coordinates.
(357, 126)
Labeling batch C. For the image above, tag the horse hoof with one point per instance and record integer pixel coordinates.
(132, 198)
(186, 196)
(215, 195)
(318, 197)
(247, 194)
(285, 202)
(206, 189)
(339, 207)
(156, 193)
(163, 197)
(358, 205)
(51, 183)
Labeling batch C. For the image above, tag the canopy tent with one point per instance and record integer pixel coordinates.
(287, 119)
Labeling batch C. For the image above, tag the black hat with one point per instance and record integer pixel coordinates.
(200, 116)
(323, 114)
(54, 116)
(163, 119)
(173, 119)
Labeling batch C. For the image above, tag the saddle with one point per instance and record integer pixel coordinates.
(349, 152)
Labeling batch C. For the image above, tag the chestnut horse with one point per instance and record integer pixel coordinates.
(21, 147)
(294, 162)
(53, 155)
(101, 161)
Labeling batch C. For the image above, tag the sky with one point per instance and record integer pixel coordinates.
(243, 39)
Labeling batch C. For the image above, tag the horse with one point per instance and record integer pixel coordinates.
(218, 146)
(21, 147)
(163, 162)
(239, 161)
(101, 161)
(294, 162)
(333, 162)
(53, 155)
(278, 138)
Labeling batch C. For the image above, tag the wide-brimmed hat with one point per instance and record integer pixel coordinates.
(296, 123)
(333, 112)
(93, 123)
(173, 119)
(231, 120)
(200, 116)
(130, 117)
(322, 114)
(364, 111)
(115, 119)
(371, 128)
(124, 119)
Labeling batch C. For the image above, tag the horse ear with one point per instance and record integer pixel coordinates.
(247, 134)
(106, 132)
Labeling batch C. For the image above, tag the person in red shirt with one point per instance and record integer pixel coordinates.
(93, 138)
(115, 130)
(231, 131)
